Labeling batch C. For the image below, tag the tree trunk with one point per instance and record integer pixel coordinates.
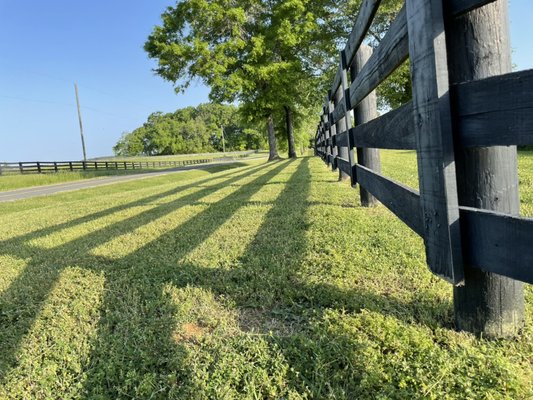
(273, 152)
(478, 43)
(290, 131)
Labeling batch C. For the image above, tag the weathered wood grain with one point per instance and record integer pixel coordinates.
(336, 81)
(342, 152)
(498, 243)
(327, 130)
(433, 130)
(495, 111)
(403, 201)
(332, 129)
(347, 116)
(362, 23)
(393, 130)
(366, 111)
(457, 7)
(339, 111)
(342, 139)
(344, 166)
(479, 47)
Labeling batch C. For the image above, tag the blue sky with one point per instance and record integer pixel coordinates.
(45, 46)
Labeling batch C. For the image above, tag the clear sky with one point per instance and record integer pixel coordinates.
(45, 46)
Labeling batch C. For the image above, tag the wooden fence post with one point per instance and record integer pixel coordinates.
(478, 45)
(341, 127)
(365, 112)
(332, 130)
(434, 138)
(326, 131)
(38, 167)
(345, 85)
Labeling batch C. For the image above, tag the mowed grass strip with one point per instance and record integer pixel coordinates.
(20, 181)
(263, 281)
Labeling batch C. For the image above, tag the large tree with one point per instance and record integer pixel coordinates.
(276, 57)
(269, 54)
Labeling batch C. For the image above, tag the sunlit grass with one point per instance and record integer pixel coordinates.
(58, 344)
(19, 181)
(401, 166)
(251, 281)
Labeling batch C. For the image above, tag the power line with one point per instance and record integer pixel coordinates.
(52, 77)
(64, 105)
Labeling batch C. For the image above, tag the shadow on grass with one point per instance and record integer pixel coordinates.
(24, 298)
(135, 346)
(20, 241)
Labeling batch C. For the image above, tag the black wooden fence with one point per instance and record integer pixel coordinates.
(448, 114)
(38, 167)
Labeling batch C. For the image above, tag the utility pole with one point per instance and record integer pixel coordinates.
(81, 125)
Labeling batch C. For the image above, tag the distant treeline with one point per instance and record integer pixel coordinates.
(192, 130)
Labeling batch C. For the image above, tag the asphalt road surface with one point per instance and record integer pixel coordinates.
(35, 191)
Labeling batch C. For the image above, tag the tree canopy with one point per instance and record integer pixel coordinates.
(268, 55)
(275, 57)
(191, 130)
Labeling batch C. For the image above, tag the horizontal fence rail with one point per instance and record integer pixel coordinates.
(441, 118)
(39, 167)
(473, 235)
(468, 218)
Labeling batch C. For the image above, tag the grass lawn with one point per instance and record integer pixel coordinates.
(19, 181)
(227, 284)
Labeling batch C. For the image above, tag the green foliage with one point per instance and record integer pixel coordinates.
(130, 143)
(396, 89)
(270, 56)
(190, 130)
(266, 54)
(220, 284)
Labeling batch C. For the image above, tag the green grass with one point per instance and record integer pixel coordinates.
(229, 285)
(401, 166)
(18, 181)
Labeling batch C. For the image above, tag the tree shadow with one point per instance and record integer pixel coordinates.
(23, 299)
(21, 239)
(135, 342)
(266, 288)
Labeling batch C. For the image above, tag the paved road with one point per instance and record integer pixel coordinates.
(35, 191)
